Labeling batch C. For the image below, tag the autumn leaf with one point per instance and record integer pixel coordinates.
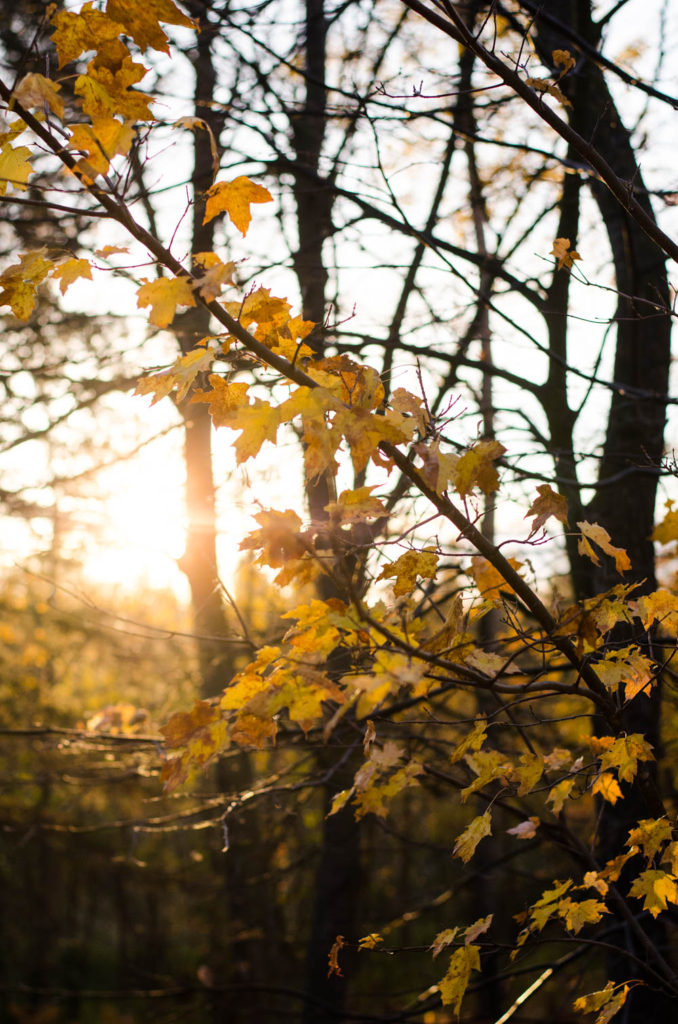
(34, 90)
(355, 506)
(549, 503)
(333, 958)
(140, 20)
(656, 889)
(163, 296)
(77, 33)
(563, 59)
(478, 928)
(20, 281)
(561, 250)
(543, 85)
(650, 834)
(100, 143)
(453, 986)
(660, 606)
(467, 842)
(476, 468)
(667, 530)
(235, 198)
(559, 793)
(627, 666)
(578, 913)
(408, 567)
(608, 1001)
(69, 271)
(593, 533)
(15, 168)
(623, 753)
(607, 786)
(443, 940)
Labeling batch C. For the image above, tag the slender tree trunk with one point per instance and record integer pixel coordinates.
(338, 875)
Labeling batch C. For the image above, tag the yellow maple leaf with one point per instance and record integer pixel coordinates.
(559, 793)
(467, 842)
(607, 786)
(355, 506)
(578, 913)
(592, 532)
(628, 666)
(453, 986)
(476, 468)
(34, 90)
(562, 252)
(258, 422)
(623, 753)
(15, 168)
(408, 567)
(69, 271)
(140, 20)
(549, 503)
(650, 834)
(106, 92)
(235, 198)
(660, 606)
(215, 274)
(655, 888)
(163, 296)
(100, 144)
(667, 530)
(608, 1000)
(20, 282)
(224, 399)
(88, 29)
(370, 941)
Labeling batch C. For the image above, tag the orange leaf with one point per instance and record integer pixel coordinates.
(235, 198)
(562, 252)
(592, 532)
(549, 503)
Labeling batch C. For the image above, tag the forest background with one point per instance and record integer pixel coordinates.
(397, 280)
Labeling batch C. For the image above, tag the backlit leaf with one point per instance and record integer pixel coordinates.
(34, 90)
(549, 503)
(235, 198)
(562, 251)
(163, 296)
(476, 468)
(69, 271)
(593, 533)
(15, 168)
(408, 567)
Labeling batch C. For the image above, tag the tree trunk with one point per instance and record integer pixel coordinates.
(624, 499)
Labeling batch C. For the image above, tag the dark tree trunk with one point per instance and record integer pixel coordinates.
(338, 874)
(624, 499)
